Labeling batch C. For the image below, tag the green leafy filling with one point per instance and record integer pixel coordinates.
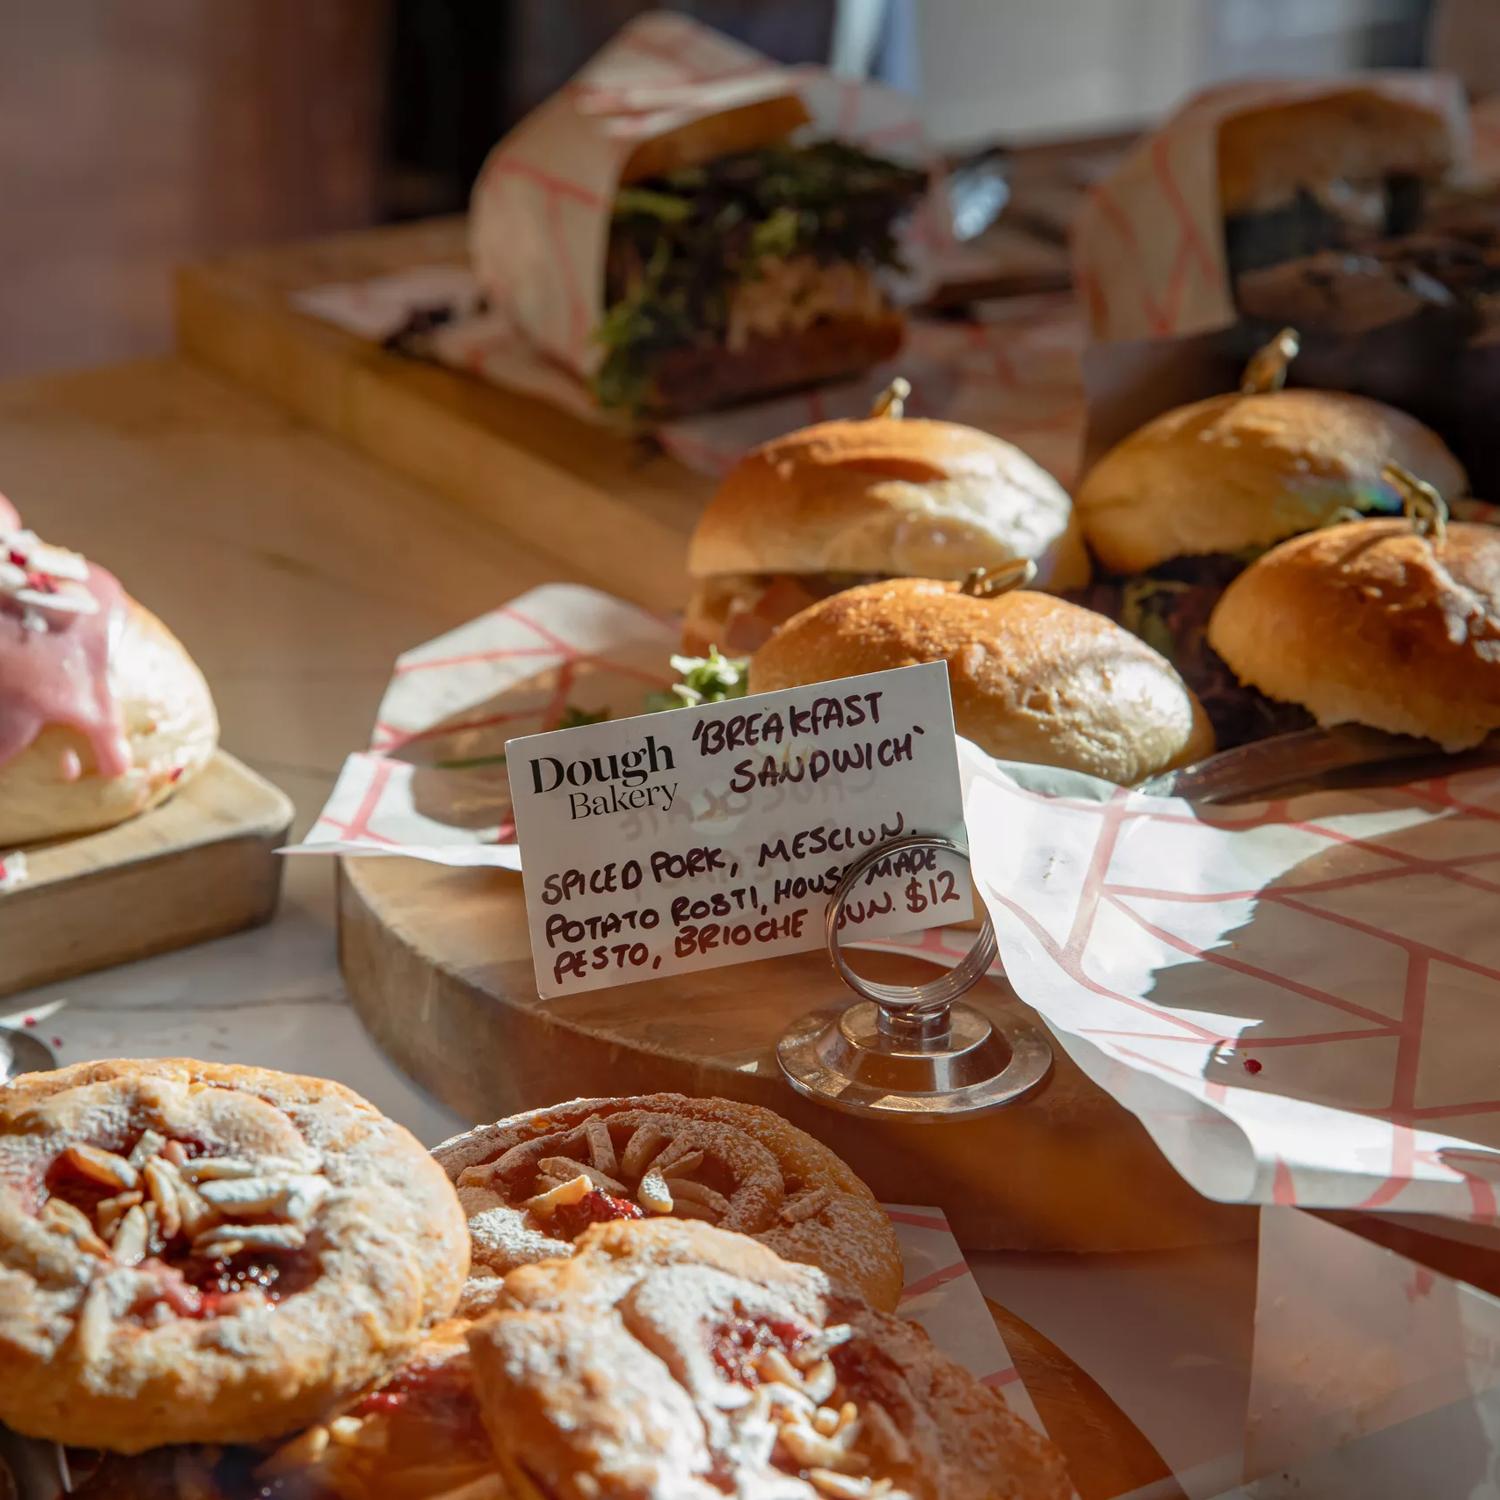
(714, 678)
(681, 243)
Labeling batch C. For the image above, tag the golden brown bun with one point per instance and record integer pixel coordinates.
(1033, 678)
(1372, 624)
(1238, 471)
(170, 725)
(883, 495)
(742, 128)
(1355, 135)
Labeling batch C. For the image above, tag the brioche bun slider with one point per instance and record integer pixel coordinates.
(1239, 472)
(1033, 677)
(1394, 624)
(848, 502)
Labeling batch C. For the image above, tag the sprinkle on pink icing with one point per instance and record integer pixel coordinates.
(54, 668)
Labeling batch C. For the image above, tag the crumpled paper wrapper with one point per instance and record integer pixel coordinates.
(540, 213)
(941, 1296)
(1148, 249)
(540, 222)
(1295, 996)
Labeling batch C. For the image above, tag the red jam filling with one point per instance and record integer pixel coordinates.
(441, 1394)
(736, 1347)
(596, 1207)
(193, 1286)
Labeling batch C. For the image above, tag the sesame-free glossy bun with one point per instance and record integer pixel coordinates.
(1244, 471)
(1033, 678)
(889, 495)
(1371, 623)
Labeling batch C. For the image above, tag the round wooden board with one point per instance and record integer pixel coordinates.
(438, 964)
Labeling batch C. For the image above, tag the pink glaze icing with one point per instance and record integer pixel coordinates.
(59, 673)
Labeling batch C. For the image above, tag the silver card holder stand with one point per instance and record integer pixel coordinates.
(912, 1051)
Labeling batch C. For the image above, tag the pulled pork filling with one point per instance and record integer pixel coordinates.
(754, 244)
(1168, 608)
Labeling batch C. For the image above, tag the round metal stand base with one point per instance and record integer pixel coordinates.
(940, 1068)
(20, 1052)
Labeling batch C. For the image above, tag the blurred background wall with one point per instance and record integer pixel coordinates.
(135, 134)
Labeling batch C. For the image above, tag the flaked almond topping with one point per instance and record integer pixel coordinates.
(213, 1168)
(112, 1210)
(601, 1148)
(175, 1152)
(292, 1197)
(62, 1216)
(641, 1149)
(653, 1194)
(574, 1190)
(853, 1486)
(346, 1429)
(812, 1350)
(684, 1190)
(249, 1237)
(565, 1168)
(132, 1237)
(161, 1183)
(678, 1160)
(809, 1449)
(101, 1166)
(145, 1148)
(805, 1206)
(820, 1381)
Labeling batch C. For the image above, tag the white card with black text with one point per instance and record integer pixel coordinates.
(715, 835)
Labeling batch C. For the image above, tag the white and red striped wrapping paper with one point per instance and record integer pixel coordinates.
(539, 225)
(1297, 997)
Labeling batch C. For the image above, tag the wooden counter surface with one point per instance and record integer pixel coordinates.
(295, 570)
(620, 508)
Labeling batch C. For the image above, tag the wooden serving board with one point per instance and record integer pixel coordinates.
(201, 865)
(618, 511)
(438, 964)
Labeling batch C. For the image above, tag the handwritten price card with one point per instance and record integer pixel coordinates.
(715, 835)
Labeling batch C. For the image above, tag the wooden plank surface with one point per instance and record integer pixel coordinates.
(619, 510)
(295, 571)
(438, 963)
(201, 865)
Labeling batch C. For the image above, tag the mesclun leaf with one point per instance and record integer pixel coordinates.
(680, 244)
(575, 718)
(714, 678)
(666, 206)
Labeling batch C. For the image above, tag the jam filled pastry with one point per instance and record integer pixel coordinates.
(532, 1184)
(102, 712)
(193, 1252)
(670, 1358)
(416, 1436)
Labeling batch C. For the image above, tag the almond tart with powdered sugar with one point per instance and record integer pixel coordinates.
(194, 1252)
(533, 1183)
(672, 1359)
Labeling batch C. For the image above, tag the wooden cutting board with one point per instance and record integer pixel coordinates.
(438, 964)
(199, 866)
(547, 477)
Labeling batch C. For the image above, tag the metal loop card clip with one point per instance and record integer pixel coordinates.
(911, 1049)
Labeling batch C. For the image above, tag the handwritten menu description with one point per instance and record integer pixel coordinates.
(715, 835)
